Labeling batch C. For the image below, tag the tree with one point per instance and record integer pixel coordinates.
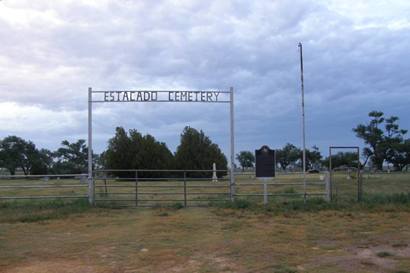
(43, 162)
(197, 152)
(121, 152)
(246, 159)
(399, 154)
(71, 157)
(372, 135)
(288, 155)
(342, 159)
(313, 158)
(134, 151)
(16, 152)
(380, 140)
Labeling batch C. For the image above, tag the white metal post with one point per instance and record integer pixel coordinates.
(328, 196)
(90, 150)
(232, 176)
(303, 120)
(265, 191)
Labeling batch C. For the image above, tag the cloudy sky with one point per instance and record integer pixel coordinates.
(356, 60)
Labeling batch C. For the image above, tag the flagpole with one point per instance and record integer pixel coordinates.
(302, 86)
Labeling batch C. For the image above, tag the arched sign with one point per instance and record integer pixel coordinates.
(140, 96)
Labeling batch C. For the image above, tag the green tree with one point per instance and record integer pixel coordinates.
(43, 162)
(381, 135)
(313, 158)
(246, 159)
(135, 151)
(16, 152)
(399, 154)
(71, 157)
(121, 152)
(197, 152)
(342, 159)
(288, 155)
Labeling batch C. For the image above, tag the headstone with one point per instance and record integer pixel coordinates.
(321, 177)
(349, 176)
(83, 179)
(214, 176)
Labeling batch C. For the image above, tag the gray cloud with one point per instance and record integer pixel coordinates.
(355, 61)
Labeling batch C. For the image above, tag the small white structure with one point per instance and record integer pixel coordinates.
(214, 176)
(321, 177)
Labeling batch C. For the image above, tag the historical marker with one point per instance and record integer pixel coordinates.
(265, 162)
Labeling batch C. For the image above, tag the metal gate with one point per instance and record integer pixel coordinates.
(152, 188)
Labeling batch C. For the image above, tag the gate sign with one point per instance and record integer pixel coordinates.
(172, 96)
(265, 162)
(161, 96)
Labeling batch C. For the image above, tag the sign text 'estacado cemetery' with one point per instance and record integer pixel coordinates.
(164, 96)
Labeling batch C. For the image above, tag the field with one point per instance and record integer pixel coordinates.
(284, 237)
(204, 240)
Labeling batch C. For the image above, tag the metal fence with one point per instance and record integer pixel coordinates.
(354, 186)
(29, 187)
(197, 187)
(150, 188)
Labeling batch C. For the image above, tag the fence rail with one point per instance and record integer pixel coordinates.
(131, 188)
(52, 186)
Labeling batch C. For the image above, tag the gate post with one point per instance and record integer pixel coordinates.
(359, 186)
(185, 199)
(232, 176)
(90, 149)
(328, 196)
(330, 175)
(136, 188)
(359, 177)
(105, 185)
(265, 192)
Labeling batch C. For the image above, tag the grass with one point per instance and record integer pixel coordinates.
(205, 240)
(373, 184)
(395, 202)
(287, 235)
(35, 211)
(284, 269)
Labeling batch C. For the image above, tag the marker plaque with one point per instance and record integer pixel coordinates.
(265, 162)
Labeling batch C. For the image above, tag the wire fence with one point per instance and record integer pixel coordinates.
(189, 188)
(30, 187)
(150, 188)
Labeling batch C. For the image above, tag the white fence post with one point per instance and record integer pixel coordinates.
(232, 150)
(328, 196)
(265, 192)
(90, 149)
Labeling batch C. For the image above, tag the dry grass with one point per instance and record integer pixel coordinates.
(60, 238)
(208, 240)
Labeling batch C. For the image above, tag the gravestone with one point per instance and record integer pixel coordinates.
(214, 176)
